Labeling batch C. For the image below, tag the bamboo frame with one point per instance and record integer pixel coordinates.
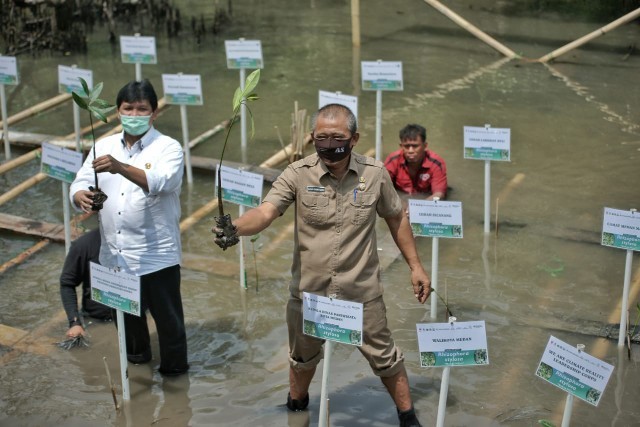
(587, 38)
(36, 109)
(23, 186)
(472, 29)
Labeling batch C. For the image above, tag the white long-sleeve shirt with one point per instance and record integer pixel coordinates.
(140, 230)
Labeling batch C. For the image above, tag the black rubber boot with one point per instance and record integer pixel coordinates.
(408, 418)
(297, 405)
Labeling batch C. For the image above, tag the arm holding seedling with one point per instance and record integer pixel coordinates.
(252, 222)
(402, 235)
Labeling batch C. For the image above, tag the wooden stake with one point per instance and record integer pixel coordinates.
(111, 386)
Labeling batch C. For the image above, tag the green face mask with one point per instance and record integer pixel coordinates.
(135, 125)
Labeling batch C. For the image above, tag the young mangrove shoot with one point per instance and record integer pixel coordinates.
(99, 108)
(228, 236)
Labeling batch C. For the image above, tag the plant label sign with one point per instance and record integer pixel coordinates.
(182, 89)
(487, 143)
(621, 229)
(452, 344)
(69, 79)
(8, 70)
(381, 75)
(349, 101)
(574, 371)
(240, 187)
(60, 163)
(243, 54)
(435, 218)
(138, 49)
(332, 319)
(115, 289)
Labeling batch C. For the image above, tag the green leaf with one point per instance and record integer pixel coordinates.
(85, 86)
(99, 115)
(251, 82)
(102, 104)
(546, 423)
(80, 101)
(95, 92)
(254, 238)
(237, 98)
(253, 97)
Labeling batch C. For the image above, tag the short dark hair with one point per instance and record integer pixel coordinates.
(332, 110)
(138, 91)
(412, 131)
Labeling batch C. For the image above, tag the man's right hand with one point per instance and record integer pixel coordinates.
(226, 233)
(83, 199)
(75, 331)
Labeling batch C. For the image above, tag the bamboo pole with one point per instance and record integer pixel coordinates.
(23, 186)
(585, 39)
(472, 29)
(19, 161)
(24, 255)
(355, 22)
(38, 108)
(208, 134)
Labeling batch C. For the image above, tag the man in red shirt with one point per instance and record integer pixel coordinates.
(414, 169)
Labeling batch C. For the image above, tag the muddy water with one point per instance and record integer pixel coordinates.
(575, 149)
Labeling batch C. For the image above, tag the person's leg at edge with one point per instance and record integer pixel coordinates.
(398, 387)
(162, 289)
(304, 354)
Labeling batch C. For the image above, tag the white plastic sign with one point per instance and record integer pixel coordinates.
(382, 75)
(452, 344)
(182, 89)
(349, 101)
(243, 54)
(69, 79)
(435, 218)
(240, 187)
(8, 70)
(332, 319)
(574, 371)
(621, 229)
(115, 289)
(487, 143)
(138, 49)
(60, 163)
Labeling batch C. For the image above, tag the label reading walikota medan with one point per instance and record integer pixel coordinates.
(452, 344)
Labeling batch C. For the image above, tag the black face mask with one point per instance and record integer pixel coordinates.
(332, 150)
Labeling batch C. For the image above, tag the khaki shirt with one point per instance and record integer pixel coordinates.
(335, 249)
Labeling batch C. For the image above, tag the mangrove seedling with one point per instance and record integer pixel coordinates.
(446, 306)
(99, 108)
(228, 236)
(255, 258)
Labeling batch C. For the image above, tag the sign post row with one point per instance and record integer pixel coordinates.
(451, 344)
(244, 189)
(138, 50)
(332, 320)
(62, 164)
(379, 76)
(8, 76)
(242, 54)
(435, 219)
(488, 144)
(621, 229)
(183, 89)
(117, 289)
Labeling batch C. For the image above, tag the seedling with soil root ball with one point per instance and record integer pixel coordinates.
(227, 236)
(99, 108)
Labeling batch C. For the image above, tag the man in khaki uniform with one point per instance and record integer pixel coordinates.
(337, 195)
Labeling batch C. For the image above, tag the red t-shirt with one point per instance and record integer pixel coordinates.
(431, 177)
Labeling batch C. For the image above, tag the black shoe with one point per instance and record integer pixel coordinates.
(297, 405)
(173, 372)
(408, 418)
(138, 359)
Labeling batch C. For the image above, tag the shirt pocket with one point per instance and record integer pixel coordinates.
(315, 209)
(364, 208)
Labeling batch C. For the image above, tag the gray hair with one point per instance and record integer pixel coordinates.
(334, 110)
